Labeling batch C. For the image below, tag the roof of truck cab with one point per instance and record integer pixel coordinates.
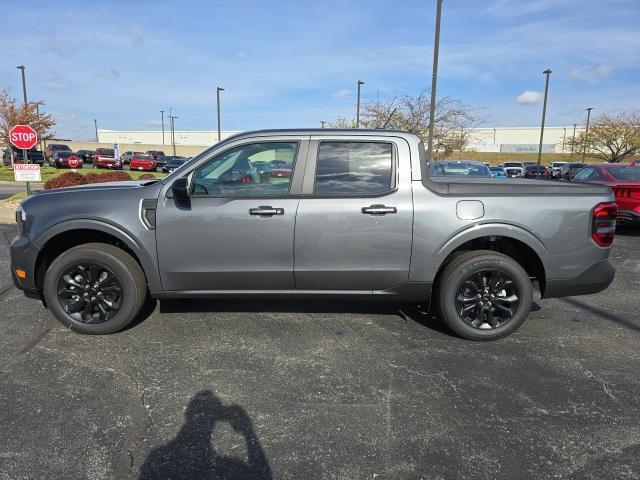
(323, 131)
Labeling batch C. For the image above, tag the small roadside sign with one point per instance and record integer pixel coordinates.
(72, 161)
(26, 172)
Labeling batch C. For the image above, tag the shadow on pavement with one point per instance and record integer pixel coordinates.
(628, 230)
(192, 454)
(602, 313)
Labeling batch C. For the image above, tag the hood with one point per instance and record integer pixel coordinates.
(93, 187)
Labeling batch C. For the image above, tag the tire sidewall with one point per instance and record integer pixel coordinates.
(113, 264)
(454, 282)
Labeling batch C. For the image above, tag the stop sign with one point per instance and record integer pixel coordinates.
(72, 161)
(23, 137)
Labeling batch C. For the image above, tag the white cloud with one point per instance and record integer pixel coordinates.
(342, 93)
(241, 55)
(588, 73)
(55, 86)
(529, 97)
(111, 73)
(137, 36)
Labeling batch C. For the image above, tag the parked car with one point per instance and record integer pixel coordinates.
(33, 156)
(281, 172)
(449, 168)
(624, 180)
(556, 167)
(498, 172)
(143, 161)
(368, 216)
(105, 158)
(514, 169)
(536, 171)
(87, 156)
(568, 170)
(64, 159)
(158, 156)
(173, 163)
(54, 147)
(127, 156)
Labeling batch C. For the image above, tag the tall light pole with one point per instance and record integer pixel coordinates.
(547, 72)
(573, 142)
(434, 81)
(218, 90)
(173, 133)
(162, 120)
(24, 83)
(25, 157)
(586, 134)
(322, 123)
(95, 124)
(564, 137)
(359, 83)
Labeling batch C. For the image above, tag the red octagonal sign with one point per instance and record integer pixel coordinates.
(23, 137)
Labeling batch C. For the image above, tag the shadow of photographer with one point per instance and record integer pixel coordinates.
(191, 453)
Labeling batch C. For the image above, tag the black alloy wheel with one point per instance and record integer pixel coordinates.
(487, 299)
(89, 293)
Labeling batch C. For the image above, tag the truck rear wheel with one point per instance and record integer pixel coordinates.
(95, 288)
(484, 295)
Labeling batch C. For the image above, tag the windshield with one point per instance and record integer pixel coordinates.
(513, 164)
(625, 173)
(105, 152)
(142, 156)
(445, 169)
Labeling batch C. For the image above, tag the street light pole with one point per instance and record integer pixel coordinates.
(25, 158)
(573, 142)
(547, 72)
(162, 117)
(218, 90)
(95, 124)
(24, 83)
(586, 134)
(434, 81)
(360, 82)
(322, 123)
(173, 133)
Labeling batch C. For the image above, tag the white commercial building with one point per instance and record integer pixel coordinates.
(155, 137)
(499, 139)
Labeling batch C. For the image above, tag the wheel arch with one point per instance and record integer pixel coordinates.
(515, 242)
(65, 235)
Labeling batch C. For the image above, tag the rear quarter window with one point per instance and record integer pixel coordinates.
(354, 168)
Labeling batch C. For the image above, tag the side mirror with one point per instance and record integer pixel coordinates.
(180, 188)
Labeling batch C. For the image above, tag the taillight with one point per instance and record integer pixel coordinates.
(604, 223)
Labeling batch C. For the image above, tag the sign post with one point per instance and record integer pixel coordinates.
(24, 137)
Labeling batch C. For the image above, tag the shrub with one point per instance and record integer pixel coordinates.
(67, 179)
(147, 176)
(117, 176)
(70, 179)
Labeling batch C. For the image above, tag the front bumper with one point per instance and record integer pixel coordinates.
(23, 256)
(593, 280)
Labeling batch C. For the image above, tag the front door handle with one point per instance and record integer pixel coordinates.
(266, 211)
(379, 210)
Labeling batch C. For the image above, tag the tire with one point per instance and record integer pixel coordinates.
(117, 266)
(458, 281)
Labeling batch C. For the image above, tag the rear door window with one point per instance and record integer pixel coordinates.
(354, 168)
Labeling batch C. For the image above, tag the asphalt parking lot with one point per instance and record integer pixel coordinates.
(330, 390)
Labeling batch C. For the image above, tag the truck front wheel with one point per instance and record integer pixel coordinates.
(484, 295)
(95, 288)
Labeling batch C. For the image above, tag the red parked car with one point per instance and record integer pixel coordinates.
(624, 179)
(104, 158)
(142, 161)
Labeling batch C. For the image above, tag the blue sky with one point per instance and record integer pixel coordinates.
(294, 63)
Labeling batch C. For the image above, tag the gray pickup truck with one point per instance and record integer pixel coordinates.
(314, 213)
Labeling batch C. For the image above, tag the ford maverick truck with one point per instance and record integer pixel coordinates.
(320, 214)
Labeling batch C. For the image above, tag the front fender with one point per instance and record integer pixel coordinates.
(148, 263)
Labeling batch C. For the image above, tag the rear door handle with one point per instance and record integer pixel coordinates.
(266, 211)
(379, 210)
